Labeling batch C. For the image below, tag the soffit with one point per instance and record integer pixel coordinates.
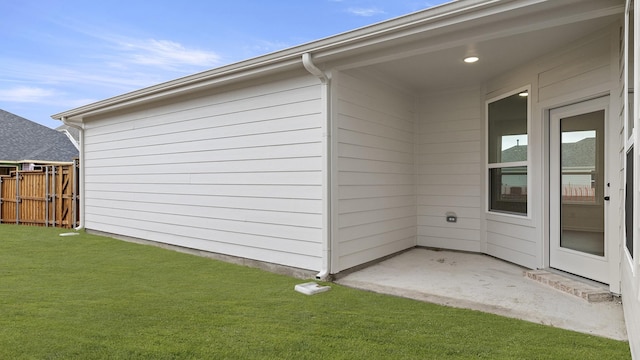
(504, 36)
(444, 67)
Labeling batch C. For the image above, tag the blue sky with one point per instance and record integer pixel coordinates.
(60, 54)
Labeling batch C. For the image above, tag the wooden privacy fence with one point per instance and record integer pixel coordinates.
(46, 197)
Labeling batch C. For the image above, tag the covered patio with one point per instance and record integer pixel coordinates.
(416, 160)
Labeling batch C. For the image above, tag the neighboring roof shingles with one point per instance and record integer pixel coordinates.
(21, 139)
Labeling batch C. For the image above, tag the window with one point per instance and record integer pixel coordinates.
(629, 68)
(6, 170)
(507, 143)
(628, 203)
(629, 126)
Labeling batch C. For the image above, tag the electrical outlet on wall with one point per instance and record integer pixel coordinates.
(451, 217)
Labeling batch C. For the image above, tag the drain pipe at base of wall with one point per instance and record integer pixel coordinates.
(325, 79)
(80, 128)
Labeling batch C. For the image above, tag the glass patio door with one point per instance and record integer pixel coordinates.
(579, 190)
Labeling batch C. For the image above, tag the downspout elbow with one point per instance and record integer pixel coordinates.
(307, 61)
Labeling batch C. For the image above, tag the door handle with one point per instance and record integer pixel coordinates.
(606, 198)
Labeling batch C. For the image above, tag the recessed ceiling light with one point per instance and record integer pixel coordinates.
(471, 59)
(524, 94)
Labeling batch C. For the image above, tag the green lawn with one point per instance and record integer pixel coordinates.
(91, 297)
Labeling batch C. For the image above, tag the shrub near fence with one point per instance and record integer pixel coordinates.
(47, 197)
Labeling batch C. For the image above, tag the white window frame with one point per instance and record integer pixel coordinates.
(526, 164)
(631, 139)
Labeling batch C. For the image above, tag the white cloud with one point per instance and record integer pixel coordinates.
(42, 96)
(117, 50)
(165, 54)
(365, 11)
(260, 47)
(37, 74)
(107, 65)
(27, 94)
(115, 65)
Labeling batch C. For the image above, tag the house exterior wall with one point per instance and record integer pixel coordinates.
(237, 172)
(630, 264)
(449, 169)
(376, 202)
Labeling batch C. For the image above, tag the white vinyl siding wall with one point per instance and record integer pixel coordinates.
(376, 202)
(236, 172)
(449, 172)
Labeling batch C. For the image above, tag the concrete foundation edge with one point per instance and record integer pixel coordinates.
(270, 267)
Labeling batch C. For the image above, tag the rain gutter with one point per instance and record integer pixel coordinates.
(327, 49)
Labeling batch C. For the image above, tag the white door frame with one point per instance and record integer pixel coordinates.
(590, 266)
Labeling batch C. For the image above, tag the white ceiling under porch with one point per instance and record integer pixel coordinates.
(433, 60)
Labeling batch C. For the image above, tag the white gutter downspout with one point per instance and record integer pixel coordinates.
(325, 79)
(80, 128)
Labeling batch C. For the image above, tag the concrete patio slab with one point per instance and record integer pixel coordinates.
(484, 283)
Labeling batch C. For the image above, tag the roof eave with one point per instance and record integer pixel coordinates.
(330, 48)
(283, 59)
(18, 162)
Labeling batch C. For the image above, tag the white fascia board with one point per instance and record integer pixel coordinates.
(443, 16)
(208, 79)
(46, 162)
(271, 62)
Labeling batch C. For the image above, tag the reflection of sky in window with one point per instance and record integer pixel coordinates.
(509, 141)
(569, 137)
